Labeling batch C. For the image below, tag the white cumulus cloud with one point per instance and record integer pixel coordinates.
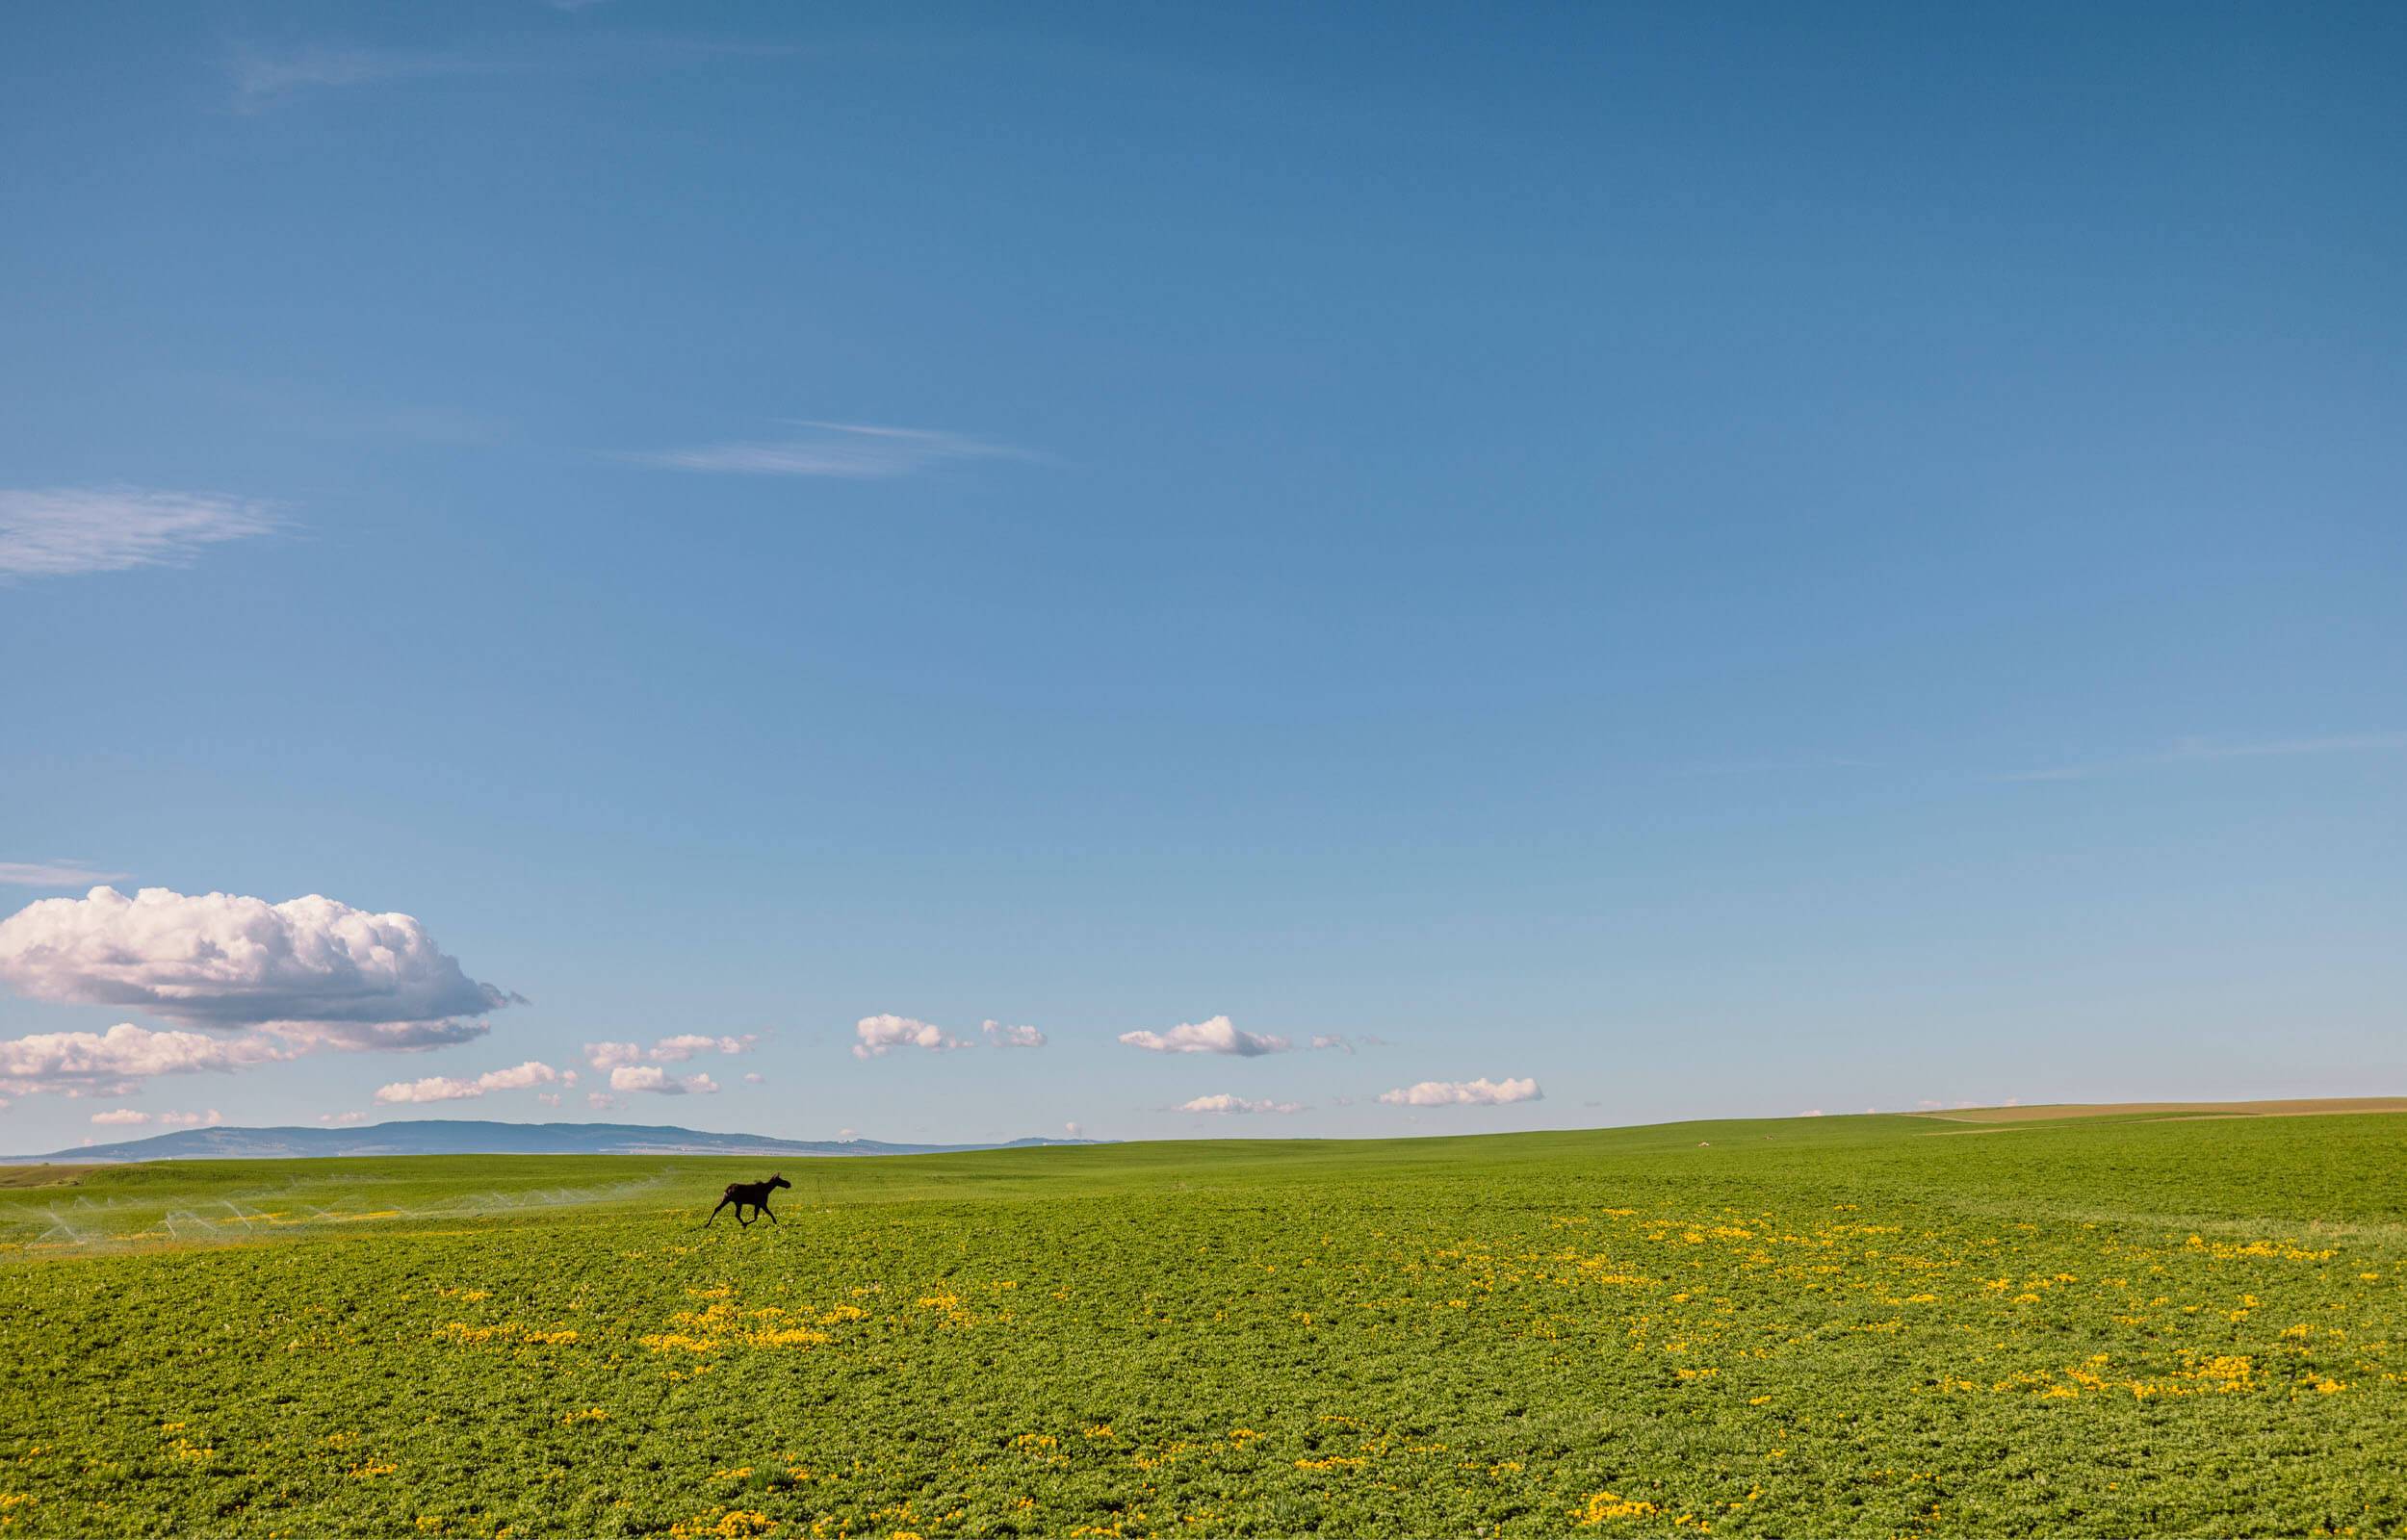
(653, 1078)
(1216, 1035)
(111, 1063)
(665, 1050)
(1226, 1104)
(444, 1088)
(322, 972)
(56, 531)
(1481, 1092)
(1003, 1037)
(884, 1034)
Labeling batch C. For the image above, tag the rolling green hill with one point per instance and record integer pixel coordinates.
(1832, 1326)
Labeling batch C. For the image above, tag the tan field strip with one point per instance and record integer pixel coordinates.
(2314, 1107)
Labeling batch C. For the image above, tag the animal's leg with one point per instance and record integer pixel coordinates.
(767, 1214)
(714, 1213)
(739, 1216)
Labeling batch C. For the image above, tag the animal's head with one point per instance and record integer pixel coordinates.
(779, 1181)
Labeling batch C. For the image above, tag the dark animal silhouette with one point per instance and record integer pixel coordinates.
(754, 1195)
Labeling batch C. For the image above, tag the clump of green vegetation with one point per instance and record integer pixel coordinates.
(1843, 1326)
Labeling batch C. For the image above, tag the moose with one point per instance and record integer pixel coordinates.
(754, 1195)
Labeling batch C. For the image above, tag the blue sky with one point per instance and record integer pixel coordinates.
(1710, 561)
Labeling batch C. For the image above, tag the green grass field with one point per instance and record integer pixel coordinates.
(1860, 1325)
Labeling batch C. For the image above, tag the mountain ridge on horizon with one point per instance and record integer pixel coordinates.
(454, 1136)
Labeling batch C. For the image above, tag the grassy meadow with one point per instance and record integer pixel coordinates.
(1857, 1325)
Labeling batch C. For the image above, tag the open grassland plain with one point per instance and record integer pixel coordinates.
(2103, 1325)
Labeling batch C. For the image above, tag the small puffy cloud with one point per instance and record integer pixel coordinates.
(1810, 1112)
(1224, 1105)
(603, 1103)
(331, 975)
(1216, 1035)
(752, 1077)
(529, 1073)
(1005, 1036)
(674, 1050)
(659, 1082)
(111, 1063)
(883, 1034)
(1482, 1092)
(444, 1088)
(122, 1118)
(1074, 1131)
(341, 1120)
(847, 1135)
(59, 531)
(434, 1088)
(547, 1098)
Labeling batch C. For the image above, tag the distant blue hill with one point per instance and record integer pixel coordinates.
(462, 1136)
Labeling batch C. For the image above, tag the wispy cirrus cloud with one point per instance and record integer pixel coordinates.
(1218, 1035)
(1339, 1043)
(53, 874)
(2198, 751)
(60, 531)
(264, 78)
(855, 451)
